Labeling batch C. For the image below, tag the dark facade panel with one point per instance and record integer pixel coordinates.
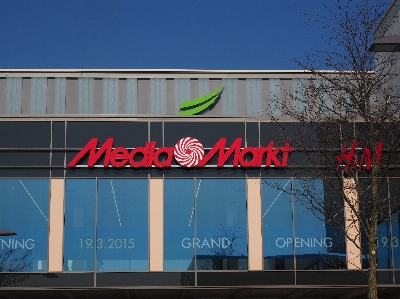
(24, 134)
(331, 278)
(245, 278)
(49, 280)
(145, 279)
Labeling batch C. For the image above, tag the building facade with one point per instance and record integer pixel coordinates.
(112, 192)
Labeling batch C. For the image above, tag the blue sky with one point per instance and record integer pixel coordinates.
(157, 34)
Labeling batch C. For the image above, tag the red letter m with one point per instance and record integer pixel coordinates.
(94, 155)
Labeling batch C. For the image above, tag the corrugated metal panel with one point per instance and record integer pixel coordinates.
(324, 95)
(38, 95)
(13, 96)
(110, 95)
(253, 97)
(2, 94)
(299, 100)
(182, 92)
(204, 88)
(85, 95)
(275, 97)
(229, 97)
(131, 96)
(158, 96)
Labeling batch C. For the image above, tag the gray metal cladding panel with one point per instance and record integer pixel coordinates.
(158, 96)
(110, 96)
(71, 96)
(85, 95)
(13, 96)
(131, 96)
(182, 92)
(98, 96)
(50, 100)
(26, 83)
(2, 94)
(254, 97)
(275, 104)
(122, 97)
(216, 108)
(59, 95)
(38, 95)
(204, 88)
(229, 97)
(24, 134)
(143, 96)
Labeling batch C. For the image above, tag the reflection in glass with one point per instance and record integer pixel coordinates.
(277, 224)
(122, 225)
(179, 223)
(24, 209)
(394, 189)
(384, 254)
(319, 240)
(79, 230)
(221, 224)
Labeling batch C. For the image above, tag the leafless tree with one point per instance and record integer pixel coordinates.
(12, 260)
(346, 107)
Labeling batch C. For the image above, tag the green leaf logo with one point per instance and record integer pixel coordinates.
(191, 107)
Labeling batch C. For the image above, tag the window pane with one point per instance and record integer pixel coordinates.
(221, 224)
(384, 254)
(79, 237)
(277, 224)
(122, 231)
(179, 224)
(319, 243)
(394, 188)
(24, 209)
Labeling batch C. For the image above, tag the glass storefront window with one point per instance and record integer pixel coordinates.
(121, 240)
(79, 229)
(179, 223)
(221, 224)
(24, 209)
(277, 224)
(384, 248)
(394, 189)
(319, 240)
(122, 225)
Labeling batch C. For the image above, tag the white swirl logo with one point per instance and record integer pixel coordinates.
(188, 152)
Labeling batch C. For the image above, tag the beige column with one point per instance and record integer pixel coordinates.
(56, 225)
(156, 224)
(254, 224)
(353, 239)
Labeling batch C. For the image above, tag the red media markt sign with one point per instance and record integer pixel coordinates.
(187, 152)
